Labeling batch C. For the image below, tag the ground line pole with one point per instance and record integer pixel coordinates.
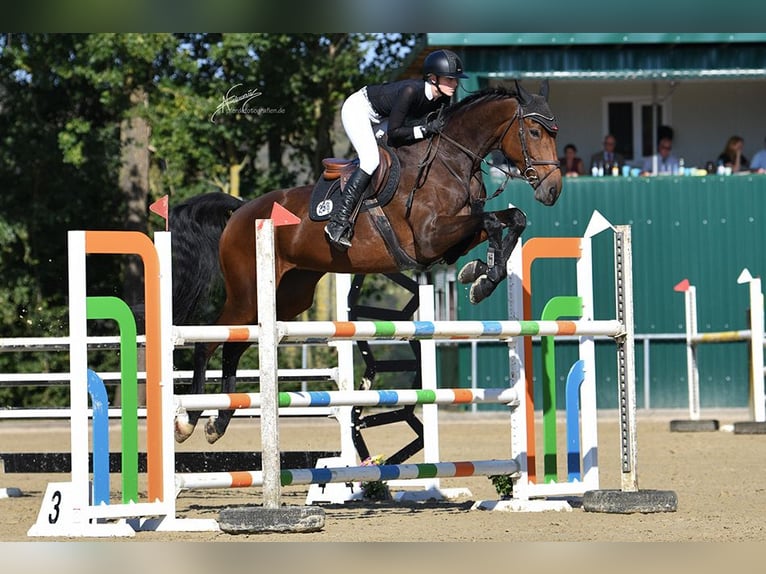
(267, 352)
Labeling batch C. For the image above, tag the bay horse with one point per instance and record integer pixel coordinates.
(437, 214)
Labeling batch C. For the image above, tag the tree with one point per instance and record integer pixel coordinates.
(64, 101)
(93, 127)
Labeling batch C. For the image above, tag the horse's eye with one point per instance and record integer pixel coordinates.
(534, 132)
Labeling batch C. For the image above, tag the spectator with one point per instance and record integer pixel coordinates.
(665, 132)
(607, 157)
(571, 164)
(758, 164)
(732, 157)
(664, 162)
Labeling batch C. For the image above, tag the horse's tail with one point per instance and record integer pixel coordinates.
(196, 226)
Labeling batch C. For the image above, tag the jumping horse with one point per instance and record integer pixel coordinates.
(437, 214)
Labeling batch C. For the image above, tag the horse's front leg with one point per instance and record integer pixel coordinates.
(232, 352)
(485, 277)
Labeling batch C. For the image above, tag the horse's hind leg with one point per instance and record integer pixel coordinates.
(185, 423)
(232, 352)
(498, 253)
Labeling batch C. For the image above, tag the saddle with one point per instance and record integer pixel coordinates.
(325, 197)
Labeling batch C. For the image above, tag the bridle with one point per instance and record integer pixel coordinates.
(548, 123)
(529, 173)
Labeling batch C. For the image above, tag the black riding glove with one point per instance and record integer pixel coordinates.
(433, 127)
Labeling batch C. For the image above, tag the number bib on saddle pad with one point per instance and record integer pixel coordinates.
(326, 196)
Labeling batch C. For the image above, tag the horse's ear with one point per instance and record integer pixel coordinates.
(523, 94)
(544, 89)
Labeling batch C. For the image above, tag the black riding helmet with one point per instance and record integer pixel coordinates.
(443, 63)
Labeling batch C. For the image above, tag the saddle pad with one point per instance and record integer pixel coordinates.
(326, 196)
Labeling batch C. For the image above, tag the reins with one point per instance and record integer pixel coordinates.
(423, 168)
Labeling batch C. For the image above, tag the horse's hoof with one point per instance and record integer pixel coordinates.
(183, 430)
(211, 432)
(471, 271)
(481, 289)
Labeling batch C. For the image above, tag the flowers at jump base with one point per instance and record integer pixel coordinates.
(375, 489)
(503, 484)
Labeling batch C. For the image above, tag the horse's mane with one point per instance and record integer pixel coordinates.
(485, 95)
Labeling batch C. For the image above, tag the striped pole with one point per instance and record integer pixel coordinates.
(722, 336)
(450, 330)
(351, 398)
(242, 479)
(324, 331)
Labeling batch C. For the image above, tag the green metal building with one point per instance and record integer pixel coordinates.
(705, 229)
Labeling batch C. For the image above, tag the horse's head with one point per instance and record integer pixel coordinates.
(530, 142)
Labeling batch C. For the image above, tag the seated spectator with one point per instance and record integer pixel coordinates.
(664, 162)
(758, 165)
(608, 157)
(572, 165)
(732, 157)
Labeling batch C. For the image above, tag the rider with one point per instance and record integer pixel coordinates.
(397, 102)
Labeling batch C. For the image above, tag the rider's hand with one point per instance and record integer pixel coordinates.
(433, 127)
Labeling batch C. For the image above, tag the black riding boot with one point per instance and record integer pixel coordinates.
(340, 228)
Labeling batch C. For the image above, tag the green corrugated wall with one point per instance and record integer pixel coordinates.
(705, 229)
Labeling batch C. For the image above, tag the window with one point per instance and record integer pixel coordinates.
(632, 122)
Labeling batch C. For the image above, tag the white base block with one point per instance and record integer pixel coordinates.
(169, 524)
(535, 505)
(430, 494)
(85, 530)
(57, 517)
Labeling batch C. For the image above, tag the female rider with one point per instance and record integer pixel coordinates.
(400, 103)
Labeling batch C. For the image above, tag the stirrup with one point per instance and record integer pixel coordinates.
(343, 240)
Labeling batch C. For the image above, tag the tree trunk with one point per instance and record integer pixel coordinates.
(134, 183)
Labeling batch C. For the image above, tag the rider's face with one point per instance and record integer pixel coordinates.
(446, 86)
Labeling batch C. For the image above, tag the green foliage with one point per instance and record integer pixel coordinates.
(503, 484)
(63, 101)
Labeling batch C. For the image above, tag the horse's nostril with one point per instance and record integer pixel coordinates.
(552, 194)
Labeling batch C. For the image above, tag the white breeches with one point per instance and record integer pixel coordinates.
(358, 117)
